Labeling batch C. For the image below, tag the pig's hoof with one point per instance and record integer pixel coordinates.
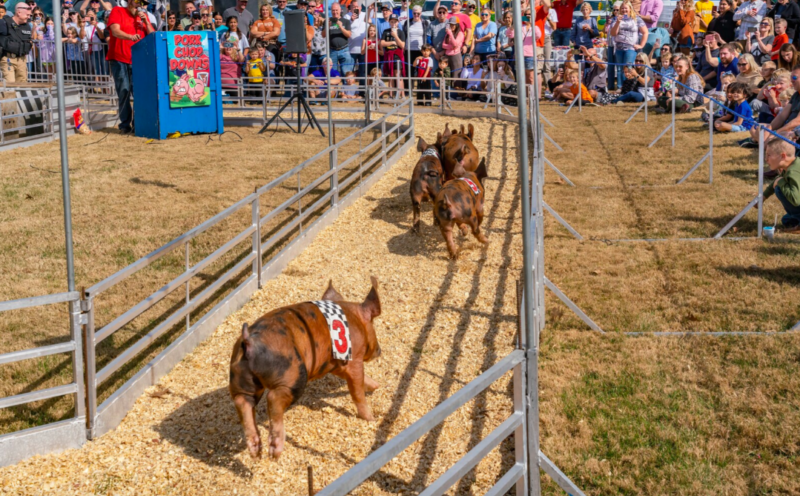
(367, 416)
(275, 450)
(254, 446)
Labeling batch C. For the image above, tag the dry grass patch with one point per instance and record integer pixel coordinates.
(129, 197)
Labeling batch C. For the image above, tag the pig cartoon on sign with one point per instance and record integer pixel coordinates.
(288, 347)
(190, 87)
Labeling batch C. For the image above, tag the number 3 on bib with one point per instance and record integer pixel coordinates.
(341, 344)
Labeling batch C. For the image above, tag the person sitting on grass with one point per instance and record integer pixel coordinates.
(685, 98)
(636, 83)
(789, 116)
(770, 95)
(780, 156)
(350, 88)
(596, 74)
(742, 117)
(573, 89)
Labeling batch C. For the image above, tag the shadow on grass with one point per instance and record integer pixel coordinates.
(743, 174)
(744, 225)
(782, 275)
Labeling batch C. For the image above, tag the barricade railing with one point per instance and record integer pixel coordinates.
(33, 113)
(69, 433)
(394, 139)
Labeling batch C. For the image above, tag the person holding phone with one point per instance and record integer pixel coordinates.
(759, 44)
(723, 24)
(683, 26)
(749, 15)
(789, 11)
(630, 36)
(704, 11)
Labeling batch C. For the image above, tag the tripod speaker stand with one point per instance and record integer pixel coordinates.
(296, 43)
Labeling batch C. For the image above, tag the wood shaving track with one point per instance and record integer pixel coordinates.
(443, 323)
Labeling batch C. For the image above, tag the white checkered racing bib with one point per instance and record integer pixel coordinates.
(430, 151)
(341, 345)
(474, 187)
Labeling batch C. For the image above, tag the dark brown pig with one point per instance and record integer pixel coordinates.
(288, 347)
(460, 203)
(426, 180)
(458, 152)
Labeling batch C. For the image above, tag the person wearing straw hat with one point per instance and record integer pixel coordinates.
(780, 156)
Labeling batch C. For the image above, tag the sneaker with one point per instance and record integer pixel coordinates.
(685, 109)
(620, 102)
(660, 110)
(748, 143)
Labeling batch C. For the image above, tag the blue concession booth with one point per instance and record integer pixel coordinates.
(176, 81)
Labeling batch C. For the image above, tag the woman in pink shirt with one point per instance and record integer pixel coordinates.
(529, 34)
(453, 41)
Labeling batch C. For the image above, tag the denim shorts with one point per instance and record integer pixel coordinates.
(738, 129)
(528, 63)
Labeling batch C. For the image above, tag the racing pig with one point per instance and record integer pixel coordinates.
(286, 348)
(426, 180)
(460, 203)
(458, 152)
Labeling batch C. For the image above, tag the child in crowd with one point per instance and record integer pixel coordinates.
(573, 89)
(74, 53)
(256, 68)
(376, 84)
(727, 78)
(424, 65)
(443, 72)
(742, 118)
(780, 156)
(767, 70)
(664, 65)
(350, 88)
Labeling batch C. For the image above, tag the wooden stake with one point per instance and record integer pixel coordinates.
(310, 481)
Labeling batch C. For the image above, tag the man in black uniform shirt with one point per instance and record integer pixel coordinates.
(15, 43)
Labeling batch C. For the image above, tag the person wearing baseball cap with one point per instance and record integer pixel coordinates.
(127, 25)
(463, 20)
(393, 43)
(382, 23)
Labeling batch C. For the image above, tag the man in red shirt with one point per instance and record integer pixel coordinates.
(127, 25)
(564, 10)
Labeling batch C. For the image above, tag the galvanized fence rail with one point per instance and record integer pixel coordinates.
(394, 139)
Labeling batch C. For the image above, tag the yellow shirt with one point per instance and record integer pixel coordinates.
(475, 21)
(254, 70)
(704, 9)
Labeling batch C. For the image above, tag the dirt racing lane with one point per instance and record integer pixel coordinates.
(443, 323)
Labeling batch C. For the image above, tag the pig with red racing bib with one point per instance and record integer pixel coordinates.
(460, 203)
(426, 180)
(457, 151)
(286, 348)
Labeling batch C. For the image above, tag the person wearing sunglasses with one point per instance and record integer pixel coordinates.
(415, 30)
(96, 5)
(610, 20)
(475, 19)
(172, 23)
(759, 44)
(464, 22)
(485, 36)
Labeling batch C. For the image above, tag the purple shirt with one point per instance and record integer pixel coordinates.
(651, 8)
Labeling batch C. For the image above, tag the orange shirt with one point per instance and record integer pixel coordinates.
(585, 96)
(776, 45)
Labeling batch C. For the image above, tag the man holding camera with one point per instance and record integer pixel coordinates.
(15, 43)
(127, 25)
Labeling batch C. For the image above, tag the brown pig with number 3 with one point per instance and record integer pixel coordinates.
(285, 349)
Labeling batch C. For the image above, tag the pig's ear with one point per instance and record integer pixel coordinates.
(471, 132)
(331, 294)
(245, 336)
(372, 304)
(481, 170)
(421, 145)
(462, 129)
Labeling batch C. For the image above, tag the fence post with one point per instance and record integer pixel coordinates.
(580, 85)
(335, 177)
(89, 358)
(674, 85)
(711, 142)
(75, 330)
(646, 80)
(760, 179)
(256, 218)
(187, 265)
(383, 141)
